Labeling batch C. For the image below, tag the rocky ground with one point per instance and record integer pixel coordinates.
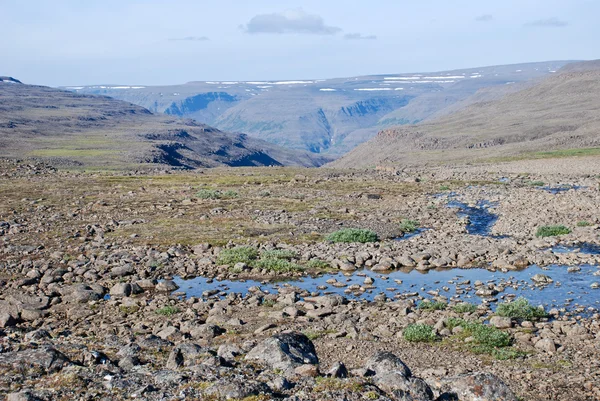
(88, 308)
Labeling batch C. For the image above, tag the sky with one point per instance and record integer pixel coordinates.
(152, 42)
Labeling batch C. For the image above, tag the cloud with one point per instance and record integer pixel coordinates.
(290, 21)
(190, 39)
(548, 22)
(485, 18)
(359, 36)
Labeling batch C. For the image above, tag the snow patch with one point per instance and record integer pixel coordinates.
(328, 90)
(373, 89)
(292, 82)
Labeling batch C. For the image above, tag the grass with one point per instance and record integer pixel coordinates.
(551, 231)
(583, 223)
(428, 305)
(536, 183)
(520, 309)
(419, 333)
(444, 187)
(168, 310)
(216, 194)
(239, 254)
(349, 235)
(464, 307)
(409, 226)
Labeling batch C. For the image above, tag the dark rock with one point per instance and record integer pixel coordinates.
(236, 388)
(285, 351)
(45, 358)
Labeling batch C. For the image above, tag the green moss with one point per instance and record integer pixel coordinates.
(551, 231)
(349, 235)
(278, 265)
(583, 223)
(216, 194)
(317, 264)
(283, 254)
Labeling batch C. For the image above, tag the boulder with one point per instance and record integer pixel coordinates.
(285, 351)
(47, 359)
(475, 387)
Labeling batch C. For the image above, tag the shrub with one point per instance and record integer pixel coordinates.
(244, 254)
(168, 310)
(419, 333)
(464, 307)
(278, 265)
(352, 235)
(215, 194)
(550, 231)
(428, 305)
(444, 187)
(409, 226)
(520, 309)
(485, 339)
(583, 223)
(279, 254)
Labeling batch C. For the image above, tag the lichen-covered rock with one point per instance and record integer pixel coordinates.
(475, 387)
(285, 351)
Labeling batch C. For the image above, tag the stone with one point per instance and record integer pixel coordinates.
(166, 286)
(475, 387)
(206, 331)
(541, 279)
(391, 375)
(186, 354)
(120, 290)
(21, 396)
(327, 300)
(229, 351)
(45, 358)
(546, 344)
(338, 370)
(7, 320)
(285, 351)
(307, 370)
(500, 322)
(236, 388)
(121, 271)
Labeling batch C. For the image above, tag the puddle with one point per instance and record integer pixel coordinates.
(583, 247)
(569, 290)
(411, 235)
(481, 220)
(560, 188)
(504, 180)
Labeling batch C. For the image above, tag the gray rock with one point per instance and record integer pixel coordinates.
(229, 351)
(338, 370)
(546, 344)
(166, 286)
(475, 387)
(392, 375)
(236, 388)
(7, 320)
(121, 290)
(206, 331)
(186, 355)
(46, 358)
(21, 396)
(285, 351)
(327, 300)
(501, 322)
(121, 271)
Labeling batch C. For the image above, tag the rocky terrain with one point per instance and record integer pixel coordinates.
(76, 130)
(328, 116)
(557, 116)
(195, 285)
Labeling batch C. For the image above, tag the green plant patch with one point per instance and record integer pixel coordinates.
(428, 305)
(216, 194)
(317, 264)
(349, 235)
(283, 254)
(520, 309)
(419, 333)
(551, 231)
(583, 223)
(278, 265)
(239, 254)
(168, 310)
(464, 307)
(409, 226)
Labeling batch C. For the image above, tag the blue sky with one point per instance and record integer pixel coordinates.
(76, 42)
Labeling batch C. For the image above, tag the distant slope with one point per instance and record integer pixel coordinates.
(329, 116)
(558, 113)
(71, 129)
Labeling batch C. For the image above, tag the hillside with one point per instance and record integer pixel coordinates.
(328, 116)
(552, 117)
(69, 129)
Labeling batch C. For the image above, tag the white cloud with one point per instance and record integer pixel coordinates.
(359, 36)
(290, 21)
(190, 39)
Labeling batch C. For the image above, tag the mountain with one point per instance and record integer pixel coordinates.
(70, 129)
(329, 116)
(559, 115)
